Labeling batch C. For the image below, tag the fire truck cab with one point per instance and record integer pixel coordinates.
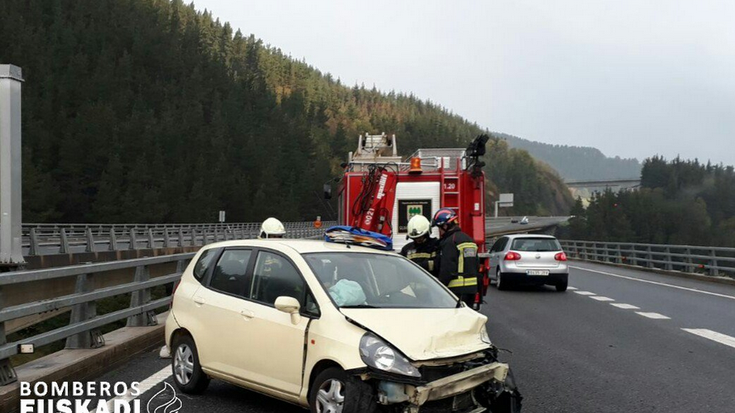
(380, 191)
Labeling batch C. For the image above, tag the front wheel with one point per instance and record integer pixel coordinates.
(333, 391)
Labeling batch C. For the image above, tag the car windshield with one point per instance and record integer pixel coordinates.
(364, 280)
(535, 244)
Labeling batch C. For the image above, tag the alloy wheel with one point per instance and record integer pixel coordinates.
(330, 398)
(184, 364)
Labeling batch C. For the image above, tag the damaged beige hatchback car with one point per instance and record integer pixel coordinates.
(333, 328)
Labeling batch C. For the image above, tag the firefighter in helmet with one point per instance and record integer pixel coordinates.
(423, 249)
(271, 228)
(458, 265)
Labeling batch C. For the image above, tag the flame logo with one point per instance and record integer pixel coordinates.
(171, 406)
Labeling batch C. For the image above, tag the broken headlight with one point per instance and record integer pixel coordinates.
(378, 354)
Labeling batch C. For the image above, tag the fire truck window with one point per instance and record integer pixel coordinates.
(229, 274)
(275, 276)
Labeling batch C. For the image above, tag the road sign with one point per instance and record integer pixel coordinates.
(221, 216)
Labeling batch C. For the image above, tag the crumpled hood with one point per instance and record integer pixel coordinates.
(424, 334)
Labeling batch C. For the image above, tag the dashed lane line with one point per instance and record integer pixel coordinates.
(712, 335)
(678, 287)
(625, 306)
(144, 386)
(584, 293)
(572, 288)
(601, 298)
(654, 316)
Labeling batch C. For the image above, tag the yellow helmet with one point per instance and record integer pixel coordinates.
(418, 226)
(272, 228)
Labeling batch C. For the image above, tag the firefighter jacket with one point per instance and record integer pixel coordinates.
(458, 265)
(424, 254)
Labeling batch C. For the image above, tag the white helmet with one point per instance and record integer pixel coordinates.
(418, 226)
(272, 228)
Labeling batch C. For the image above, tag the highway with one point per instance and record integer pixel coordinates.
(615, 342)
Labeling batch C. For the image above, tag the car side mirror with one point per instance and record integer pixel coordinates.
(289, 305)
(327, 191)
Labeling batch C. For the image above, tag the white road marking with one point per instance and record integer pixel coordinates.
(584, 293)
(601, 298)
(144, 386)
(712, 335)
(655, 316)
(625, 306)
(656, 283)
(572, 288)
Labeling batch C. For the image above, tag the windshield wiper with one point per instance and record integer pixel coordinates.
(359, 306)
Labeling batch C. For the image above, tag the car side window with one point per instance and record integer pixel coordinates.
(274, 276)
(205, 261)
(230, 273)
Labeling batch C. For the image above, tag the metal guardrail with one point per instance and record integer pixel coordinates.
(713, 261)
(48, 239)
(82, 330)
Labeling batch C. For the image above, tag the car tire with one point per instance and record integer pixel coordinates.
(187, 372)
(344, 394)
(500, 285)
(562, 286)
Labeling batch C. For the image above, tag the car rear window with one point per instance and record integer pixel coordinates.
(205, 260)
(535, 244)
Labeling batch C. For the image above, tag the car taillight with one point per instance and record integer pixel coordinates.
(560, 256)
(512, 256)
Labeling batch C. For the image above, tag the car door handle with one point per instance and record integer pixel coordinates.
(247, 314)
(199, 301)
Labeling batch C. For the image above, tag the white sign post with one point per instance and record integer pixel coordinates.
(221, 216)
(11, 78)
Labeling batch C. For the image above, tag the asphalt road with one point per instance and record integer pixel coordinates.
(574, 351)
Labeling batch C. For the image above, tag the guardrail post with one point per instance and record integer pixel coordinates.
(690, 264)
(139, 298)
(713, 262)
(133, 242)
(83, 312)
(7, 374)
(35, 248)
(151, 239)
(669, 265)
(181, 237)
(64, 242)
(649, 257)
(166, 238)
(90, 240)
(113, 240)
(619, 252)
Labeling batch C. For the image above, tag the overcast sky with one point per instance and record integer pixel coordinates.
(631, 77)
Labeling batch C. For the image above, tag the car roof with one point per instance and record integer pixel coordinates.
(514, 236)
(300, 246)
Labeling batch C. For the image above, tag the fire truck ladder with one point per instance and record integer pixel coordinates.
(450, 187)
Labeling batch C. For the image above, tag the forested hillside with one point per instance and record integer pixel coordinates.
(577, 162)
(149, 111)
(680, 202)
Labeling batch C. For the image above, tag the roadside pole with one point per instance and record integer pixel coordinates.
(11, 253)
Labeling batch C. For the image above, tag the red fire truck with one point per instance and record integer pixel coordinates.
(380, 191)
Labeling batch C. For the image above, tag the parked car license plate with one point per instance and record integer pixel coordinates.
(537, 272)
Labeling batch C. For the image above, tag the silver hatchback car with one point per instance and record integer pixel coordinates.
(530, 260)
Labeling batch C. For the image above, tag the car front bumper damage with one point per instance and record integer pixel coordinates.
(457, 384)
